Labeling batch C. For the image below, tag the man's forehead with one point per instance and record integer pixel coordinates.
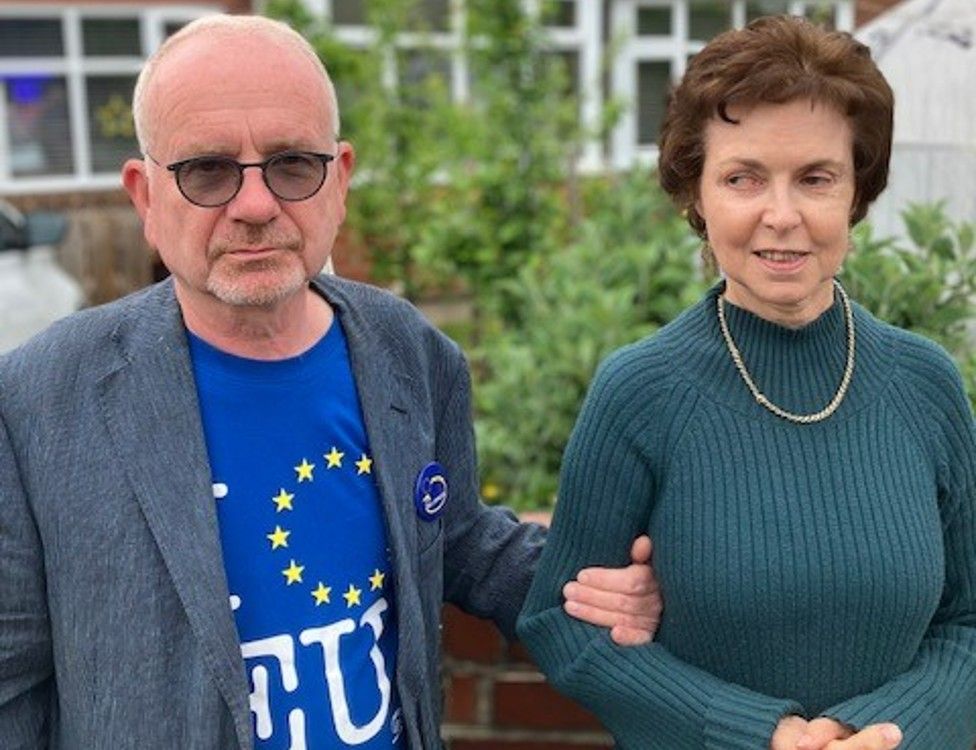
(211, 98)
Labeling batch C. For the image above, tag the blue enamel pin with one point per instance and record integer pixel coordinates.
(430, 492)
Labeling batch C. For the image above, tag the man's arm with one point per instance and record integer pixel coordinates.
(626, 600)
(490, 558)
(26, 672)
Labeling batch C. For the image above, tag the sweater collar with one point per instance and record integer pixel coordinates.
(799, 369)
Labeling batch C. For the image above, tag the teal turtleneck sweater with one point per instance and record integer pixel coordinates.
(825, 569)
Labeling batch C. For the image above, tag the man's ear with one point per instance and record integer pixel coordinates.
(136, 184)
(345, 163)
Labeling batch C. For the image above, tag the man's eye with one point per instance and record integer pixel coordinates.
(207, 165)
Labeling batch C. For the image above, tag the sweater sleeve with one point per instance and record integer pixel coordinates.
(644, 695)
(934, 701)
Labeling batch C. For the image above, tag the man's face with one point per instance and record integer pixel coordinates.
(246, 98)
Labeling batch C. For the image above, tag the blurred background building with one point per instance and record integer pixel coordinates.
(67, 70)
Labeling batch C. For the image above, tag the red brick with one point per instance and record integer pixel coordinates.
(461, 699)
(517, 654)
(471, 639)
(526, 702)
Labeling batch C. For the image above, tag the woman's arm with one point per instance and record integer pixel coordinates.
(644, 695)
(934, 701)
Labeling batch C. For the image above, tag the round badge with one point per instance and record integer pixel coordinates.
(430, 492)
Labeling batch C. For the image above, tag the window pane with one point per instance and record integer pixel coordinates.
(349, 12)
(171, 27)
(562, 14)
(757, 8)
(431, 15)
(708, 18)
(30, 37)
(653, 21)
(110, 126)
(37, 118)
(653, 81)
(111, 36)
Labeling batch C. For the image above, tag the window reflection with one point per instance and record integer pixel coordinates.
(30, 37)
(110, 125)
(37, 121)
(653, 81)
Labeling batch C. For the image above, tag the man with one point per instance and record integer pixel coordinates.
(248, 459)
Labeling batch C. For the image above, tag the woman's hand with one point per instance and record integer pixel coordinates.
(827, 734)
(789, 732)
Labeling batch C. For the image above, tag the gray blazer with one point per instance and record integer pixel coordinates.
(115, 627)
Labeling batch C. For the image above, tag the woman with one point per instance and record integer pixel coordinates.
(807, 472)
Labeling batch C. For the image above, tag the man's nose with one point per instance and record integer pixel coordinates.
(254, 202)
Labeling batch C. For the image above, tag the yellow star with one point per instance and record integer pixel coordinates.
(278, 537)
(365, 465)
(352, 596)
(283, 501)
(321, 594)
(304, 470)
(293, 573)
(376, 580)
(334, 457)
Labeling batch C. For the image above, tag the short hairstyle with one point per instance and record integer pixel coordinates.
(777, 60)
(227, 26)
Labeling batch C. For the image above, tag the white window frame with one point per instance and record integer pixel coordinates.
(673, 49)
(583, 39)
(75, 67)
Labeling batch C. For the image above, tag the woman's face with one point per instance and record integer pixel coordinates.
(776, 194)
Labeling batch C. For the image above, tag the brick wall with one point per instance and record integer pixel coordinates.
(495, 699)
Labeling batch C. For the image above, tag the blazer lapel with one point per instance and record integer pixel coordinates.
(149, 403)
(387, 401)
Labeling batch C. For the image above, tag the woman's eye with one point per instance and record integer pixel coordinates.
(742, 180)
(818, 179)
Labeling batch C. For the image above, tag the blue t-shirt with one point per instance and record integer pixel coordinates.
(304, 546)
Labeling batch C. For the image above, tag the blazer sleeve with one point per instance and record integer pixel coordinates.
(489, 557)
(26, 671)
(934, 701)
(644, 695)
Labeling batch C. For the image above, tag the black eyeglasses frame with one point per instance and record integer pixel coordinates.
(177, 166)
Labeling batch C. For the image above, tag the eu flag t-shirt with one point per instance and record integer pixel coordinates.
(304, 546)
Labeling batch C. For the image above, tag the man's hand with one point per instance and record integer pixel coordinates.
(827, 734)
(626, 600)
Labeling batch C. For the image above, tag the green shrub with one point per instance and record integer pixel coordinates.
(927, 284)
(632, 269)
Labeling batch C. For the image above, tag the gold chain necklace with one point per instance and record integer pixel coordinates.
(761, 398)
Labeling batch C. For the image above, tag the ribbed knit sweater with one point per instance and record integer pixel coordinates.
(824, 569)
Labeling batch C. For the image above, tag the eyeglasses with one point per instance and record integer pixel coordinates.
(211, 181)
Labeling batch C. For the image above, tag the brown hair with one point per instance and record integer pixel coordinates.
(776, 60)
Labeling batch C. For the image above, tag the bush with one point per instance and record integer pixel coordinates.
(632, 269)
(926, 285)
